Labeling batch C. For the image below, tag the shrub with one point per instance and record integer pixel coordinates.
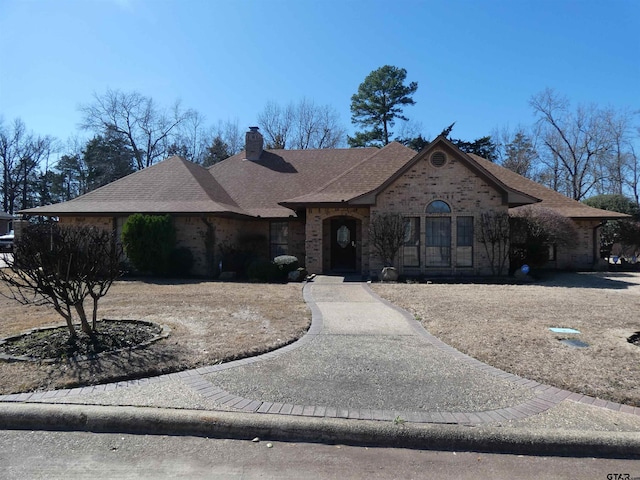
(286, 264)
(262, 270)
(533, 230)
(148, 242)
(63, 266)
(386, 235)
(237, 257)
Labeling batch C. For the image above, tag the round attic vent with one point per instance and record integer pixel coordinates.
(438, 159)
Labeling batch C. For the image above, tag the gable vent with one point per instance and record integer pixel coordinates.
(438, 159)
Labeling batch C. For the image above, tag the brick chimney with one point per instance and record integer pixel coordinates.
(253, 144)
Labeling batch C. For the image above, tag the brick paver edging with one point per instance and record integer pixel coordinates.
(546, 396)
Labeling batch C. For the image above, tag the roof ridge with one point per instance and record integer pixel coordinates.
(208, 177)
(354, 167)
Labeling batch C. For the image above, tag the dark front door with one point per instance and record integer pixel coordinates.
(343, 244)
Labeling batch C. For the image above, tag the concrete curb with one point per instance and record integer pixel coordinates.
(156, 421)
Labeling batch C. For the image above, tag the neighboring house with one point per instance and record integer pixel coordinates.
(6, 222)
(316, 205)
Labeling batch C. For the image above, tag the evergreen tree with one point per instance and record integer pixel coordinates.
(378, 103)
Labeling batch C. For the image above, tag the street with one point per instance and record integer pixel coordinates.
(79, 455)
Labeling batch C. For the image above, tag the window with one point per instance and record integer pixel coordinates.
(411, 247)
(438, 247)
(464, 240)
(279, 239)
(438, 206)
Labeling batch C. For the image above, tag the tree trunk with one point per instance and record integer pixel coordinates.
(94, 315)
(86, 328)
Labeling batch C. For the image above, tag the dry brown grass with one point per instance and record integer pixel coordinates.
(507, 326)
(210, 322)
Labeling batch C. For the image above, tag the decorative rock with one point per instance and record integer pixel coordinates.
(297, 275)
(389, 274)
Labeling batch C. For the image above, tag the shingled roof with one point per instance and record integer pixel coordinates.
(262, 187)
(362, 178)
(172, 186)
(548, 198)
(282, 180)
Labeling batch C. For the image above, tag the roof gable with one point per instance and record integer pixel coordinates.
(511, 196)
(361, 179)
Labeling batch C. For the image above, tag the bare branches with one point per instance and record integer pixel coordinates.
(62, 266)
(304, 125)
(494, 234)
(21, 153)
(386, 234)
(585, 149)
(148, 129)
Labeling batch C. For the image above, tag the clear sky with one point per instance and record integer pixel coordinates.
(477, 62)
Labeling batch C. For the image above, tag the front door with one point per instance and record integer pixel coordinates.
(343, 244)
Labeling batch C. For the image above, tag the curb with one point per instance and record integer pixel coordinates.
(156, 421)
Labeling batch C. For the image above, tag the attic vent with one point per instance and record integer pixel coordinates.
(438, 159)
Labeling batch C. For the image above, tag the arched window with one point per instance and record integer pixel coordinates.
(438, 206)
(438, 234)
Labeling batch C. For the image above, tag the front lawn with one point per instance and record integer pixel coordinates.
(507, 326)
(210, 322)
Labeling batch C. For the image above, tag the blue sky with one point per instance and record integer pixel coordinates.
(476, 62)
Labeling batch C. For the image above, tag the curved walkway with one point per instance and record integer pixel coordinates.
(362, 358)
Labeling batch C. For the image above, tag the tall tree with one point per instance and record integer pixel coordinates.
(483, 147)
(149, 130)
(301, 126)
(520, 155)
(378, 103)
(574, 142)
(21, 154)
(106, 159)
(216, 152)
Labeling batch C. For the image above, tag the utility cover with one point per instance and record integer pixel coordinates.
(563, 330)
(572, 342)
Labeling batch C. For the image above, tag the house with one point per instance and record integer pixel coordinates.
(316, 205)
(6, 222)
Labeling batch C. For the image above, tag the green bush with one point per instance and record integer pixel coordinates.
(148, 242)
(262, 270)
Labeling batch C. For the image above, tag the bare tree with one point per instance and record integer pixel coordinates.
(277, 123)
(316, 126)
(304, 125)
(62, 266)
(574, 142)
(618, 165)
(148, 129)
(386, 234)
(21, 154)
(495, 234)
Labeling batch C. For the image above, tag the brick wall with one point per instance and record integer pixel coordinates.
(581, 255)
(318, 243)
(454, 183)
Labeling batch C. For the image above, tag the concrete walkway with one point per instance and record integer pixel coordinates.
(362, 359)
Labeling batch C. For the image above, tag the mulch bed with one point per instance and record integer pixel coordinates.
(56, 344)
